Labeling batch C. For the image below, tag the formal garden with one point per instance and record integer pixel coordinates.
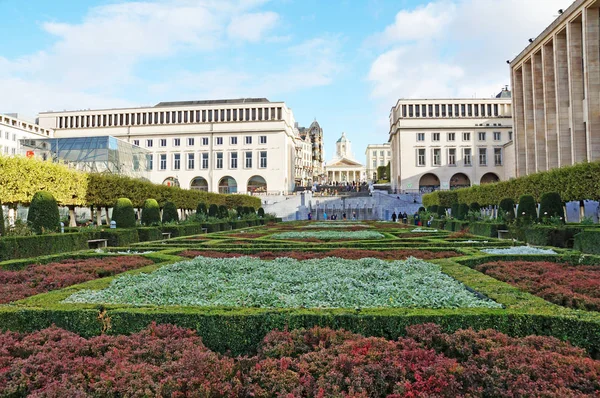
(216, 298)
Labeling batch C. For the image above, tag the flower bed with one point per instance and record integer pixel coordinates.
(335, 225)
(348, 254)
(169, 361)
(570, 286)
(40, 278)
(424, 230)
(329, 235)
(518, 250)
(289, 283)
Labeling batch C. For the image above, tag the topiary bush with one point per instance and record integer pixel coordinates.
(454, 210)
(433, 209)
(441, 211)
(223, 212)
(551, 206)
(213, 211)
(43, 213)
(123, 213)
(170, 213)
(421, 209)
(151, 212)
(249, 210)
(240, 211)
(2, 230)
(474, 207)
(506, 209)
(463, 211)
(261, 212)
(527, 211)
(201, 209)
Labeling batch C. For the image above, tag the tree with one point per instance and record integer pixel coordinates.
(463, 211)
(151, 212)
(241, 211)
(2, 230)
(201, 209)
(123, 213)
(170, 213)
(213, 211)
(526, 212)
(223, 212)
(43, 213)
(506, 209)
(551, 206)
(474, 207)
(261, 212)
(454, 210)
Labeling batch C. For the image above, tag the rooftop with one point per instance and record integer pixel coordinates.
(214, 102)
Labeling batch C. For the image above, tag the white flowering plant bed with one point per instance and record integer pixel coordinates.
(517, 250)
(329, 235)
(335, 225)
(424, 230)
(288, 283)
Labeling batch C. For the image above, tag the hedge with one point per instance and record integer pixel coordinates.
(588, 242)
(13, 247)
(2, 227)
(148, 234)
(551, 206)
(151, 212)
(183, 230)
(21, 177)
(170, 213)
(123, 214)
(548, 235)
(527, 209)
(43, 213)
(121, 237)
(489, 230)
(572, 183)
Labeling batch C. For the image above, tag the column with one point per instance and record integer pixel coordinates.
(591, 18)
(576, 90)
(539, 113)
(561, 67)
(550, 102)
(529, 117)
(519, 121)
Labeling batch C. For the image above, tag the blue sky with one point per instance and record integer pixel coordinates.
(343, 62)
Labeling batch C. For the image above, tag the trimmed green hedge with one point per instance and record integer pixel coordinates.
(548, 235)
(487, 229)
(183, 230)
(13, 247)
(151, 213)
(147, 234)
(120, 237)
(588, 242)
(43, 214)
(455, 226)
(123, 213)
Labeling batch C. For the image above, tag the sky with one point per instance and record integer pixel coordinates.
(344, 63)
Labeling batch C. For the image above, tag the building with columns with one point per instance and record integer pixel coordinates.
(556, 92)
(343, 168)
(14, 129)
(377, 155)
(451, 143)
(228, 146)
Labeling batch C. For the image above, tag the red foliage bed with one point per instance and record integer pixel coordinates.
(38, 278)
(567, 285)
(170, 361)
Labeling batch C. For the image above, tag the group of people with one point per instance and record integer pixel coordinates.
(400, 216)
(333, 217)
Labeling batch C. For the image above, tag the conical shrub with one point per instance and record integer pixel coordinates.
(527, 209)
(43, 213)
(151, 212)
(201, 209)
(123, 213)
(506, 209)
(551, 206)
(213, 211)
(170, 213)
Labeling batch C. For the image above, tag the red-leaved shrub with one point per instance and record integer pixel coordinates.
(567, 285)
(40, 278)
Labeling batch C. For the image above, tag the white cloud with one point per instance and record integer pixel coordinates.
(252, 26)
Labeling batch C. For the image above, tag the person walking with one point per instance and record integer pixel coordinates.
(394, 217)
(325, 215)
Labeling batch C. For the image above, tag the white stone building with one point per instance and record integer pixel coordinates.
(451, 143)
(377, 155)
(227, 146)
(343, 168)
(14, 129)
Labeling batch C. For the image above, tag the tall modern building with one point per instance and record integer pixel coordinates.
(451, 143)
(556, 92)
(377, 155)
(228, 146)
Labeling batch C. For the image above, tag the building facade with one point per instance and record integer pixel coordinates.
(556, 92)
(449, 144)
(343, 168)
(377, 155)
(315, 133)
(245, 145)
(13, 130)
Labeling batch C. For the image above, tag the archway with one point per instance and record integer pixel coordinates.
(428, 183)
(257, 184)
(227, 185)
(171, 182)
(489, 178)
(459, 180)
(199, 184)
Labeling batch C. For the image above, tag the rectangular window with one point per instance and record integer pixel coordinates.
(375, 154)
(248, 163)
(205, 160)
(483, 156)
(420, 136)
(263, 160)
(510, 135)
(437, 157)
(467, 157)
(451, 156)
(381, 162)
(233, 140)
(233, 158)
(190, 142)
(163, 161)
(374, 163)
(381, 153)
(389, 153)
(466, 136)
(498, 156)
(176, 161)
(136, 142)
(248, 139)
(149, 143)
(191, 160)
(421, 157)
(497, 136)
(263, 139)
(219, 160)
(410, 111)
(435, 136)
(162, 142)
(219, 141)
(481, 136)
(451, 136)
(150, 159)
(205, 141)
(176, 142)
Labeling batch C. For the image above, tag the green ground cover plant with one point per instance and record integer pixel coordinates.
(329, 235)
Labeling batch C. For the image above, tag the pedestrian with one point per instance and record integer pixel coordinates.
(394, 217)
(353, 216)
(325, 215)
(309, 216)
(344, 216)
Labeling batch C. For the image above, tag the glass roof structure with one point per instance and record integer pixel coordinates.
(103, 154)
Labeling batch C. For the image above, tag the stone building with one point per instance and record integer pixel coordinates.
(13, 129)
(377, 155)
(315, 133)
(343, 168)
(556, 92)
